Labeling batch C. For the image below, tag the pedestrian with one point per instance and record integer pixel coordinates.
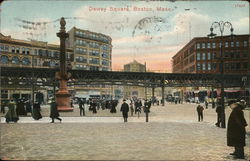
(219, 111)
(199, 110)
(36, 111)
(20, 109)
(113, 106)
(3, 104)
(125, 110)
(54, 114)
(131, 108)
(94, 104)
(28, 106)
(11, 115)
(146, 109)
(236, 132)
(81, 107)
(206, 104)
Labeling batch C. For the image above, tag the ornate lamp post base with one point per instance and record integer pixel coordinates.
(63, 97)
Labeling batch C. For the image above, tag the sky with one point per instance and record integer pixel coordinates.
(150, 32)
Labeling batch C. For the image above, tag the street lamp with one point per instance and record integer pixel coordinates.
(221, 25)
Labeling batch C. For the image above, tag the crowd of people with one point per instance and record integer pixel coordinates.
(235, 128)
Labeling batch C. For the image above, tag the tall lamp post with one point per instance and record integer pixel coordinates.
(221, 25)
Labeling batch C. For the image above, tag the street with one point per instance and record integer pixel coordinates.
(172, 133)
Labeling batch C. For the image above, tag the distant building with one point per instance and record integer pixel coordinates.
(202, 55)
(130, 91)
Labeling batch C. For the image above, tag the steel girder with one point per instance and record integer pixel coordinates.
(46, 77)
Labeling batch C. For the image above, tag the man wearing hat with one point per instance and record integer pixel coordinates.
(236, 132)
(125, 110)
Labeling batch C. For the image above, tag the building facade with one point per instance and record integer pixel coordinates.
(32, 54)
(203, 55)
(92, 51)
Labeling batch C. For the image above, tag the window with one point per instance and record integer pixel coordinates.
(208, 45)
(4, 59)
(198, 66)
(208, 56)
(226, 44)
(208, 66)
(204, 66)
(227, 67)
(214, 55)
(105, 55)
(23, 50)
(17, 49)
(93, 68)
(237, 43)
(26, 61)
(105, 62)
(245, 43)
(203, 45)
(94, 61)
(203, 56)
(27, 51)
(1, 47)
(198, 57)
(15, 60)
(232, 44)
(94, 53)
(105, 47)
(214, 45)
(214, 66)
(198, 46)
(13, 49)
(6, 48)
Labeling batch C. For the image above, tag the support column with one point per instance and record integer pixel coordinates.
(153, 95)
(162, 95)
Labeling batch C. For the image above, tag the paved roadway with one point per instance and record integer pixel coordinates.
(172, 133)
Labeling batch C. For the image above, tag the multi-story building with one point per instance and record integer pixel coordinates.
(86, 50)
(32, 54)
(92, 51)
(203, 55)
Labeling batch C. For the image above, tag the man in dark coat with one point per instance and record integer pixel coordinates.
(20, 109)
(219, 110)
(11, 115)
(125, 110)
(54, 114)
(81, 106)
(199, 110)
(236, 130)
(36, 111)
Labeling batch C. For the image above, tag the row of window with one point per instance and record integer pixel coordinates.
(91, 52)
(25, 61)
(91, 36)
(91, 44)
(39, 52)
(14, 60)
(14, 49)
(227, 54)
(91, 60)
(213, 44)
(227, 66)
